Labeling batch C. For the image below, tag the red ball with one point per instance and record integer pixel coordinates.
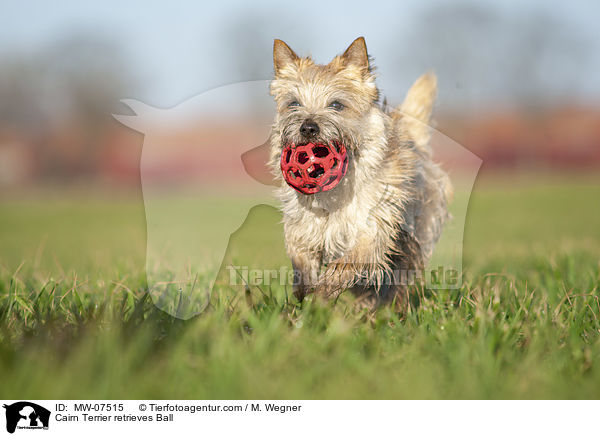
(312, 168)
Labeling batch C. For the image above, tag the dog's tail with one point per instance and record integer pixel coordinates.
(413, 116)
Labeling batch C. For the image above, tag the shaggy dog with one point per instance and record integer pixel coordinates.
(387, 212)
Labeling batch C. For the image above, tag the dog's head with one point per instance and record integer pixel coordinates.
(323, 103)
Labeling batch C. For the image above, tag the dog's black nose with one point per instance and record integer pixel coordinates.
(309, 128)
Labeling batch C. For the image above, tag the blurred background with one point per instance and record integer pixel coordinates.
(518, 87)
(518, 82)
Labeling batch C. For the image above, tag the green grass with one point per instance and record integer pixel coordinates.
(76, 322)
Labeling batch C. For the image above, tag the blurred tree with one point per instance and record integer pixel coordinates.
(60, 102)
(485, 57)
(249, 40)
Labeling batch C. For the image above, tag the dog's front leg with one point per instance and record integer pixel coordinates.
(366, 261)
(306, 271)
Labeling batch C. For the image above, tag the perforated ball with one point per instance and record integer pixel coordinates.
(312, 168)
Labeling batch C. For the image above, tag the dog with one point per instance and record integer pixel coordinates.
(387, 211)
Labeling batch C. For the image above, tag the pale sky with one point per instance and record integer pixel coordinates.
(177, 49)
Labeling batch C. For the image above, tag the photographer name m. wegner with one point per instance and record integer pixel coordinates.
(434, 278)
(247, 407)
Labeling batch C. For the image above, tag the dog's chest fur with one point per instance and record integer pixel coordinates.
(331, 223)
(312, 224)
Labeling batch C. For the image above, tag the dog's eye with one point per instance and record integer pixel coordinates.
(336, 105)
(293, 103)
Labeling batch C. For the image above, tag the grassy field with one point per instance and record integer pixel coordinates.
(76, 322)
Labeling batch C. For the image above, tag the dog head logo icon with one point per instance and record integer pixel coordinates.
(26, 415)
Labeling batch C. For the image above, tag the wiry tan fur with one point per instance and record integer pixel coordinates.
(388, 210)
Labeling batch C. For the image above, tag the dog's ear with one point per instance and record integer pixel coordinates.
(356, 54)
(283, 56)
